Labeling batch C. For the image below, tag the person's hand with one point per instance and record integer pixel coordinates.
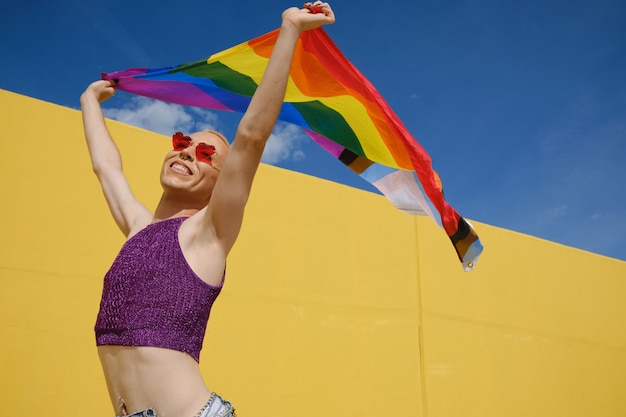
(311, 16)
(102, 90)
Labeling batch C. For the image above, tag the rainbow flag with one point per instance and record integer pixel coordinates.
(335, 105)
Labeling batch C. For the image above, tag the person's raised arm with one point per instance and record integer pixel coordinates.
(106, 160)
(224, 213)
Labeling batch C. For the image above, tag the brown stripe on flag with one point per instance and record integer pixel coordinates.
(355, 162)
(463, 238)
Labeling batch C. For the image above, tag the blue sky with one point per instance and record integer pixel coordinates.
(521, 105)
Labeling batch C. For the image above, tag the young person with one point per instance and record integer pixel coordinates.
(158, 293)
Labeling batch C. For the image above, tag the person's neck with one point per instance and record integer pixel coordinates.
(169, 208)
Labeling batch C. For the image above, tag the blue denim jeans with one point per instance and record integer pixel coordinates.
(149, 412)
(215, 407)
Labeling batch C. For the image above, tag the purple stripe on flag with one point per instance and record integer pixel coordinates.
(329, 146)
(173, 91)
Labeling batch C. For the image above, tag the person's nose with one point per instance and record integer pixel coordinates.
(188, 153)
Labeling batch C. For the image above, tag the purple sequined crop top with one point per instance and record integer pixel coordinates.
(151, 297)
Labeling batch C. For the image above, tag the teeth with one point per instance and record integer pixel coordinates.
(181, 168)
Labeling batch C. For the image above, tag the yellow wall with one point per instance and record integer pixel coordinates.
(332, 297)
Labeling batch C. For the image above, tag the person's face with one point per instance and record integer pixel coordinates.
(194, 163)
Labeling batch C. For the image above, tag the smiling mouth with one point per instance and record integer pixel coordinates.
(178, 167)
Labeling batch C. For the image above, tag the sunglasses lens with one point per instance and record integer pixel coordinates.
(180, 142)
(204, 152)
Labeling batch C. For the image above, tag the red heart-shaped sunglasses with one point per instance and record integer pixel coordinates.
(204, 152)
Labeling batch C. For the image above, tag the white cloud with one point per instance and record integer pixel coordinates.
(161, 117)
(204, 119)
(284, 144)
